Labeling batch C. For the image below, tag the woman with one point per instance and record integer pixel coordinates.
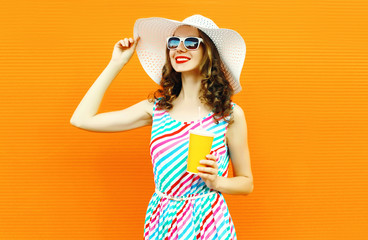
(197, 72)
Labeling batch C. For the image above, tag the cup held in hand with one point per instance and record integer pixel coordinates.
(200, 144)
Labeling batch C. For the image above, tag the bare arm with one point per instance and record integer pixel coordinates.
(86, 117)
(135, 116)
(236, 136)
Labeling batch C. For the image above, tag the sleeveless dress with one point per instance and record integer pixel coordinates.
(206, 217)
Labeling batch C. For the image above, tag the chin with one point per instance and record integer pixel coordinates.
(182, 69)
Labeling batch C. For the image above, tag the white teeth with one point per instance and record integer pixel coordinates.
(182, 59)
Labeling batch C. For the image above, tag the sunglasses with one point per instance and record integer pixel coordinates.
(190, 43)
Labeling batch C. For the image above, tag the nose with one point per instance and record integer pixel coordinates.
(181, 46)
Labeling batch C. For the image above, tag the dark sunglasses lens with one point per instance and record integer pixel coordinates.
(173, 42)
(191, 43)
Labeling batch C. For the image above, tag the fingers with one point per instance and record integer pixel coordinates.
(125, 42)
(205, 176)
(211, 160)
(212, 167)
(209, 174)
(128, 42)
(210, 156)
(209, 170)
(211, 163)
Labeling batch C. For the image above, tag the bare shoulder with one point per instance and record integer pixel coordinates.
(239, 124)
(238, 112)
(238, 115)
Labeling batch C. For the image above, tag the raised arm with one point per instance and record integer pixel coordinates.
(138, 115)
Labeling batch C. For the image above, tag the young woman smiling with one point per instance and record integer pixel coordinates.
(198, 66)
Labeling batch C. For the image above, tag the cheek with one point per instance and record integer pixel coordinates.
(199, 57)
(200, 54)
(171, 59)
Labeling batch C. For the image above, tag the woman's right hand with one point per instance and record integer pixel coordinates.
(123, 50)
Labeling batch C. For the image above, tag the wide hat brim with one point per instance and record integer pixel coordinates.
(152, 45)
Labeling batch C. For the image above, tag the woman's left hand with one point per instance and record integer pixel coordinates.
(209, 174)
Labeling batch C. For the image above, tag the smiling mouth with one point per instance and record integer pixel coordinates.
(182, 60)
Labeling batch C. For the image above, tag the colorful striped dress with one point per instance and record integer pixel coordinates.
(206, 217)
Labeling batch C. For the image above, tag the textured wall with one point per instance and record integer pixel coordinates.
(304, 95)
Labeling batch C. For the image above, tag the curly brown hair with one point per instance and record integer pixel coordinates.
(215, 91)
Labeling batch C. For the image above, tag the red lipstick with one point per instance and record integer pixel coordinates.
(182, 59)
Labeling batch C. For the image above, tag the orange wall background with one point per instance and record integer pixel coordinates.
(304, 96)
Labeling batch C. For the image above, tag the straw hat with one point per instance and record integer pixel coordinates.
(152, 45)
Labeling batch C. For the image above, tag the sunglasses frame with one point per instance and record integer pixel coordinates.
(182, 39)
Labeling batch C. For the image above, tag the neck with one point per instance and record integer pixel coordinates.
(191, 85)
